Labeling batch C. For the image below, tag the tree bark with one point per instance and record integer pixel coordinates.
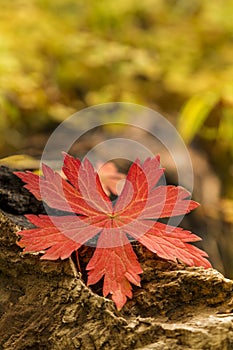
(46, 305)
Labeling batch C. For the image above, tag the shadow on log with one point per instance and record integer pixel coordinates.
(43, 305)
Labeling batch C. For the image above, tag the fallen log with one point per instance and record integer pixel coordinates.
(46, 304)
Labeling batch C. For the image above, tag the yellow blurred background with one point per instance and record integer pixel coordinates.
(175, 56)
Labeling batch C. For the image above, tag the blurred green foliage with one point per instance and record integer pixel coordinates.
(57, 57)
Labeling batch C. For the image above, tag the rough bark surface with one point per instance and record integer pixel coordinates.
(45, 305)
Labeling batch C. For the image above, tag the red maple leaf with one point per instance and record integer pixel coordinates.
(91, 215)
(110, 177)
